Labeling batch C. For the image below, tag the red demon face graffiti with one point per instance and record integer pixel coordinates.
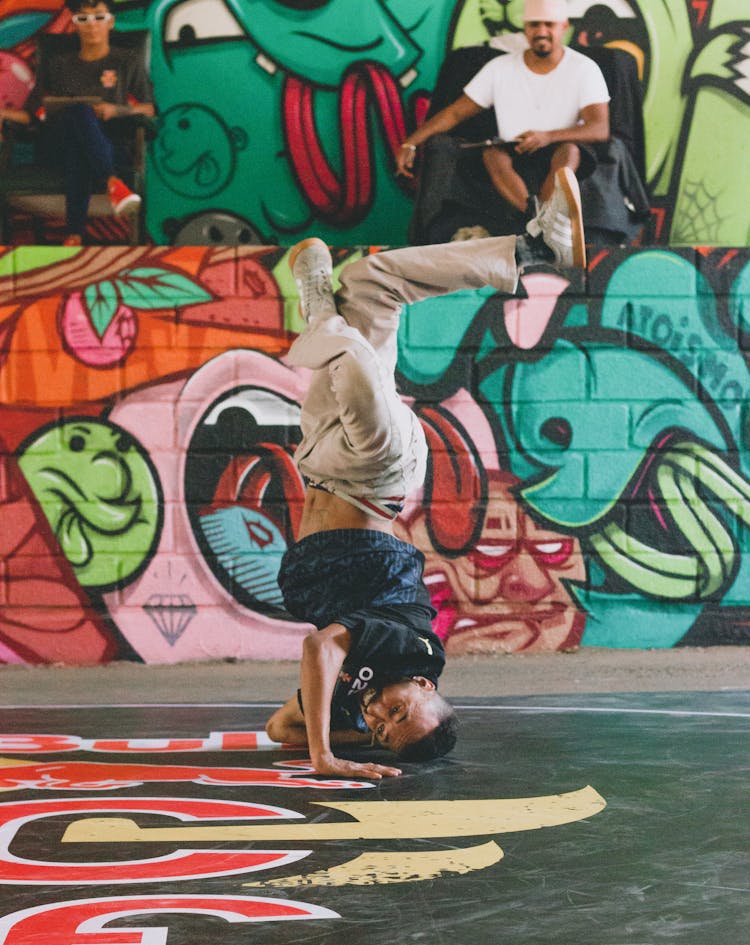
(508, 591)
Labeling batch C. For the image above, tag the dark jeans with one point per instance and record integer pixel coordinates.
(76, 141)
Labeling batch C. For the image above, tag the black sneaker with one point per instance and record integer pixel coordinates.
(533, 251)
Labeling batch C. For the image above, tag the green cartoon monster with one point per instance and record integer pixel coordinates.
(288, 114)
(626, 426)
(653, 479)
(100, 495)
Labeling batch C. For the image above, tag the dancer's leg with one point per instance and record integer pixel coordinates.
(354, 424)
(352, 418)
(375, 288)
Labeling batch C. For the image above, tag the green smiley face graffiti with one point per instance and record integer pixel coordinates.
(100, 494)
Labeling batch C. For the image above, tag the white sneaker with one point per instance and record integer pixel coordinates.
(560, 222)
(311, 265)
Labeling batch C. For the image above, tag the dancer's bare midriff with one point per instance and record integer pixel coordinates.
(325, 512)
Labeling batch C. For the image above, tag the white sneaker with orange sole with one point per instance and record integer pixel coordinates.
(560, 222)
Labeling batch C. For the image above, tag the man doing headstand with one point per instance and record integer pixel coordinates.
(371, 672)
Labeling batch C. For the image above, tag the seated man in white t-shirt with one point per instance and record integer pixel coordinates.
(551, 104)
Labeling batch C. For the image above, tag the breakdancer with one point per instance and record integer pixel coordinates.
(370, 673)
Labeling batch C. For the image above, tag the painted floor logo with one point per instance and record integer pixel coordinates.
(372, 820)
(210, 838)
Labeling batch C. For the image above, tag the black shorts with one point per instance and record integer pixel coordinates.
(534, 168)
(330, 574)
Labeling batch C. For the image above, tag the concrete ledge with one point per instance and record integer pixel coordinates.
(589, 670)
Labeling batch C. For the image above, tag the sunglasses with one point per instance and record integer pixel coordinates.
(80, 18)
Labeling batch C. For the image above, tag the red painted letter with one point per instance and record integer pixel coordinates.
(182, 864)
(82, 922)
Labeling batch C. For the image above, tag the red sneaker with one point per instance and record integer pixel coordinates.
(121, 197)
(73, 239)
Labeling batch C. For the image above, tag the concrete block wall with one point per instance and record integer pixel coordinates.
(589, 475)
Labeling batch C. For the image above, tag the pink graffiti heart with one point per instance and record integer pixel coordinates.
(83, 342)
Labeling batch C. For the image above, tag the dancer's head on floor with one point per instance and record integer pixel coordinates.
(410, 718)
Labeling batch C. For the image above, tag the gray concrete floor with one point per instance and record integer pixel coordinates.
(589, 670)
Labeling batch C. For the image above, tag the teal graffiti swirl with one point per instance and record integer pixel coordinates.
(704, 569)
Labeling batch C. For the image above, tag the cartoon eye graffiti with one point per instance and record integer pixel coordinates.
(558, 431)
(497, 550)
(492, 557)
(552, 552)
(199, 20)
(244, 494)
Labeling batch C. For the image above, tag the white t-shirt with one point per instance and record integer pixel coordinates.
(526, 101)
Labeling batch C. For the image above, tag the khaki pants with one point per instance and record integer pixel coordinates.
(358, 436)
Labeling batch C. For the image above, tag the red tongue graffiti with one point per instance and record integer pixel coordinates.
(346, 200)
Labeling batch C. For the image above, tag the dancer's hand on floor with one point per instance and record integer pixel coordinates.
(354, 769)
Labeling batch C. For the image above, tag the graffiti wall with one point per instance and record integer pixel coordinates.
(277, 120)
(589, 475)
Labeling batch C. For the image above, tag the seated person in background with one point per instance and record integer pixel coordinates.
(80, 137)
(550, 102)
(371, 670)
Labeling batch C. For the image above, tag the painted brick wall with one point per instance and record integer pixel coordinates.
(588, 482)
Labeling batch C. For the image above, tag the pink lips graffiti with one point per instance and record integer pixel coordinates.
(344, 200)
(527, 319)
